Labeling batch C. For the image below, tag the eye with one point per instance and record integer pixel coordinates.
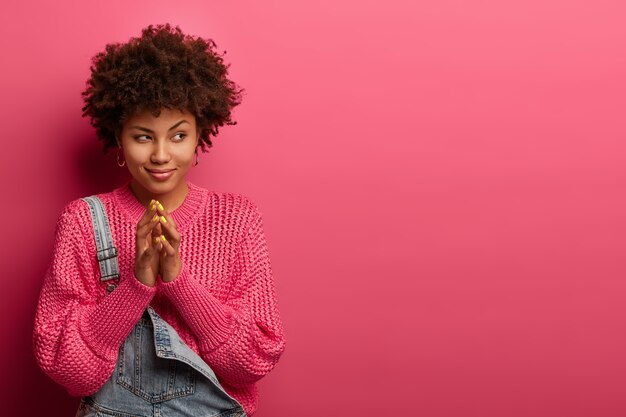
(182, 136)
(139, 137)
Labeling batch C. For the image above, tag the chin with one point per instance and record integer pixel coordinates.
(156, 187)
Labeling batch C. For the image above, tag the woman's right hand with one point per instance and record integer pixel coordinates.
(146, 252)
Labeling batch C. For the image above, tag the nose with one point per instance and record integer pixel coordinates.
(160, 152)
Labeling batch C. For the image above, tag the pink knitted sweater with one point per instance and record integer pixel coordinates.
(223, 303)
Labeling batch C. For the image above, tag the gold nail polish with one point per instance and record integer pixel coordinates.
(161, 206)
(155, 218)
(156, 240)
(163, 237)
(163, 219)
(152, 202)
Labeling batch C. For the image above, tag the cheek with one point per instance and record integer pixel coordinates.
(132, 159)
(186, 155)
(137, 153)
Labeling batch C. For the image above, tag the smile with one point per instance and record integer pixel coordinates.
(161, 175)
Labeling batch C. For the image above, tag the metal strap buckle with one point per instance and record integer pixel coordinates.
(106, 253)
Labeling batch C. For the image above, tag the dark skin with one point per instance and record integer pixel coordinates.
(157, 246)
(166, 142)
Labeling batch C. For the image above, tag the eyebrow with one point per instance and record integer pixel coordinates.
(145, 129)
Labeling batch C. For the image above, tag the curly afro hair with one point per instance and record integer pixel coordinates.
(162, 68)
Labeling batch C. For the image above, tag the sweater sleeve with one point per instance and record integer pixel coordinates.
(77, 334)
(241, 339)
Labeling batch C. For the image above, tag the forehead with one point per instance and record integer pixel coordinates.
(166, 118)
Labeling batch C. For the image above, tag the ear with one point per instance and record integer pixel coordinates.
(118, 132)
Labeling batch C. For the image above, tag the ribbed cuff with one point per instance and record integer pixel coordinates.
(106, 327)
(210, 320)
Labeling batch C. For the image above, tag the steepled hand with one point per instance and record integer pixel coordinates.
(167, 243)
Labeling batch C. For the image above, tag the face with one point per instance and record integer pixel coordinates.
(159, 151)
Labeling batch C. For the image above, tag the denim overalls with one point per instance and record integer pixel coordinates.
(156, 373)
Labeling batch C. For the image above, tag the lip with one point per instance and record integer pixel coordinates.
(160, 174)
(160, 170)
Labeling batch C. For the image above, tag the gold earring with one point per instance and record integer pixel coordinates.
(118, 159)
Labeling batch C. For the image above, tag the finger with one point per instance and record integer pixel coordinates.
(147, 215)
(167, 246)
(155, 238)
(146, 256)
(169, 230)
(158, 244)
(162, 212)
(144, 231)
(148, 226)
(157, 230)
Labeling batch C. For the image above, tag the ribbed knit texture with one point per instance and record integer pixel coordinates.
(222, 304)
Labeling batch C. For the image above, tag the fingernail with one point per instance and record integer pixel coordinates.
(163, 219)
(163, 237)
(160, 206)
(152, 201)
(156, 241)
(155, 218)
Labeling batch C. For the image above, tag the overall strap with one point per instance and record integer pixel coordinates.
(105, 249)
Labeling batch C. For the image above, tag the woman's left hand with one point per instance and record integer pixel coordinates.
(168, 244)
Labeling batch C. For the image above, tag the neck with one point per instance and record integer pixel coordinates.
(170, 200)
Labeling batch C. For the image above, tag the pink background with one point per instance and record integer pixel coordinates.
(443, 187)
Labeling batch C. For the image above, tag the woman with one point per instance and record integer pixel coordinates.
(193, 264)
